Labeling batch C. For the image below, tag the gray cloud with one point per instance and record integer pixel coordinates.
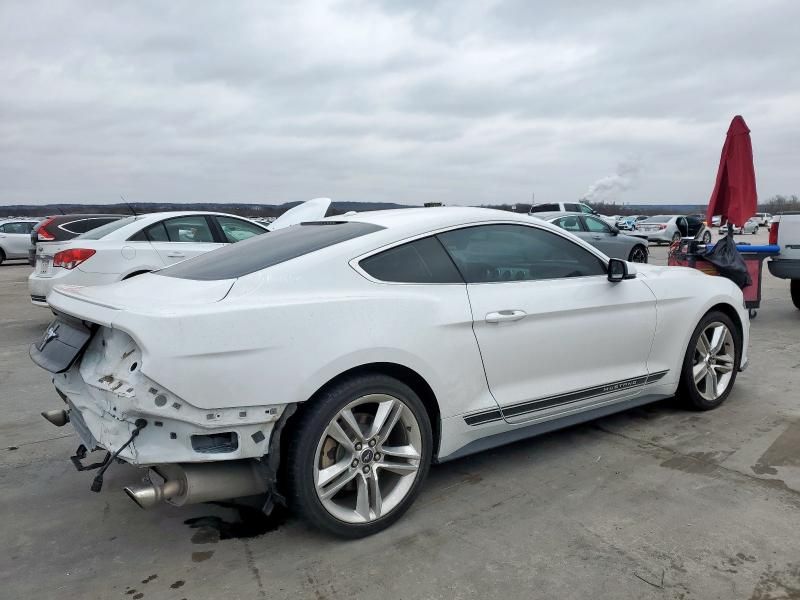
(466, 103)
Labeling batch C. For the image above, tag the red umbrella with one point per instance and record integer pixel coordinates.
(734, 196)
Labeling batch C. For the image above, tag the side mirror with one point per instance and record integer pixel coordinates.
(618, 270)
(614, 230)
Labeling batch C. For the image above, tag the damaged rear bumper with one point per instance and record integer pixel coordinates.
(106, 394)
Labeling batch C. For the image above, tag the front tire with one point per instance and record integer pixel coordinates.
(794, 289)
(711, 362)
(358, 456)
(707, 237)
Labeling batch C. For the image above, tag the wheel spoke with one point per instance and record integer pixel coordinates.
(724, 363)
(702, 345)
(711, 384)
(332, 490)
(401, 468)
(362, 498)
(383, 413)
(717, 339)
(337, 433)
(376, 498)
(699, 371)
(352, 424)
(330, 473)
(408, 452)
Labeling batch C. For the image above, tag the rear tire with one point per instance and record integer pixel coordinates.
(2, 257)
(794, 289)
(707, 237)
(711, 362)
(372, 477)
(638, 254)
(676, 237)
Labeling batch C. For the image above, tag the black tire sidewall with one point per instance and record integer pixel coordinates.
(794, 290)
(302, 451)
(633, 251)
(687, 388)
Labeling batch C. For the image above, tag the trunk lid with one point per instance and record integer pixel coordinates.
(148, 293)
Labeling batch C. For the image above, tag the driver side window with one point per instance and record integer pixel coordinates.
(504, 253)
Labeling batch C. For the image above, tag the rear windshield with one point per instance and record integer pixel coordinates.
(104, 230)
(262, 251)
(658, 219)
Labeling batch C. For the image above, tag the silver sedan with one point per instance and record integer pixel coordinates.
(600, 234)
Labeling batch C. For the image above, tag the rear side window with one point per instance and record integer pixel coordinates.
(262, 251)
(104, 230)
(572, 207)
(420, 261)
(84, 225)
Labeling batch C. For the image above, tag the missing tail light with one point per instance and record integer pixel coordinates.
(71, 258)
(662, 226)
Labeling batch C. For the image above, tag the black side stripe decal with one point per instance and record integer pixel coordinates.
(515, 410)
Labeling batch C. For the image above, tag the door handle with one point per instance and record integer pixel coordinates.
(505, 315)
(176, 255)
(596, 236)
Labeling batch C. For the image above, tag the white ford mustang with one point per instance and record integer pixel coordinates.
(387, 340)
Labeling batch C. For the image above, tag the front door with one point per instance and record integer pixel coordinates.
(553, 332)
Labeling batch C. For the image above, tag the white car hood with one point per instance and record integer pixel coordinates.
(312, 210)
(147, 291)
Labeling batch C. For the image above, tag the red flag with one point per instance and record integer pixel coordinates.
(734, 196)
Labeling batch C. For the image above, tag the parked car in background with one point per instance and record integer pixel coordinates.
(785, 232)
(600, 234)
(671, 228)
(764, 219)
(60, 228)
(629, 223)
(15, 238)
(751, 226)
(579, 207)
(139, 244)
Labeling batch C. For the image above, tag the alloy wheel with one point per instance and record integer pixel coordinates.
(368, 458)
(712, 367)
(639, 255)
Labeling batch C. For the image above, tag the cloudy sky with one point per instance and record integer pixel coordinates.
(462, 102)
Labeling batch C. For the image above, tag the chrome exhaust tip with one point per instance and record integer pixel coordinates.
(148, 495)
(58, 417)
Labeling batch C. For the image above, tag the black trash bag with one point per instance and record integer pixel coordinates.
(729, 262)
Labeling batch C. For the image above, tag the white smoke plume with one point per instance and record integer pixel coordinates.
(608, 188)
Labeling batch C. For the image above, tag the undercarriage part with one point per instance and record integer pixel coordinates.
(58, 417)
(194, 483)
(80, 454)
(272, 463)
(97, 483)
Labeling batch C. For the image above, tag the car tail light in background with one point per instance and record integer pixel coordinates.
(42, 234)
(69, 259)
(773, 230)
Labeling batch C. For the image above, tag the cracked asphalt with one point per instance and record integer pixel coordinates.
(652, 503)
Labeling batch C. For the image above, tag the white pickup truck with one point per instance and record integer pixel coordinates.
(785, 232)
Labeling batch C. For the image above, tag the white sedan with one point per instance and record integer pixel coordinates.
(389, 340)
(141, 244)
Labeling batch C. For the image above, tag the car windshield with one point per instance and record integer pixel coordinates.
(262, 251)
(104, 230)
(658, 219)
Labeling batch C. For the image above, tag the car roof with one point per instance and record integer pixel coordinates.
(20, 220)
(402, 223)
(554, 214)
(142, 221)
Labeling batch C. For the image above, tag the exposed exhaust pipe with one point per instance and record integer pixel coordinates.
(58, 417)
(194, 483)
